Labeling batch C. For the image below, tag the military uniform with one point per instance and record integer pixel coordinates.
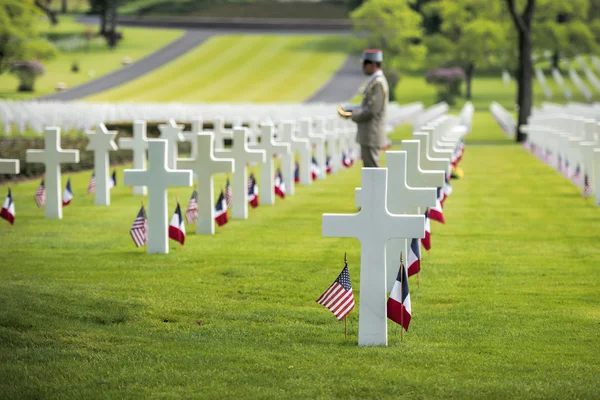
(370, 117)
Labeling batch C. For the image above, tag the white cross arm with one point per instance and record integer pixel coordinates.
(40, 156)
(9, 166)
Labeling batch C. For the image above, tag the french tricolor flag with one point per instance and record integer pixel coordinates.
(447, 190)
(252, 192)
(297, 173)
(8, 209)
(347, 161)
(113, 180)
(426, 241)
(177, 227)
(414, 258)
(436, 213)
(221, 210)
(314, 169)
(328, 166)
(279, 185)
(67, 194)
(398, 305)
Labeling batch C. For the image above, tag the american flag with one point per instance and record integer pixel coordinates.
(40, 195)
(92, 184)
(338, 298)
(228, 194)
(191, 214)
(587, 187)
(139, 229)
(577, 175)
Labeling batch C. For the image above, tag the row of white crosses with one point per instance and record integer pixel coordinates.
(163, 159)
(504, 119)
(36, 115)
(563, 138)
(392, 201)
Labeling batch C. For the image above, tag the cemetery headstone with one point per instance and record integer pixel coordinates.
(205, 165)
(101, 142)
(157, 178)
(52, 156)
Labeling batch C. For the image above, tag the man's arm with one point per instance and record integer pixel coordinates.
(374, 104)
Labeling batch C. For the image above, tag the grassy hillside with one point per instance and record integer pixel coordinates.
(94, 59)
(507, 305)
(241, 68)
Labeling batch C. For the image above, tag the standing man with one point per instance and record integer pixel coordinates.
(370, 117)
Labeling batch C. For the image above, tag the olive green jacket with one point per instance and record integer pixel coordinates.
(370, 117)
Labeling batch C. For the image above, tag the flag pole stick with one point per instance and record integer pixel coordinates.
(419, 279)
(346, 327)
(401, 303)
(346, 317)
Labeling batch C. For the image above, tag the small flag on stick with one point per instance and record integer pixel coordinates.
(338, 297)
(8, 209)
(139, 229)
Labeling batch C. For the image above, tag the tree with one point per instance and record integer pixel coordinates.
(562, 28)
(471, 35)
(395, 28)
(49, 13)
(108, 12)
(19, 37)
(523, 24)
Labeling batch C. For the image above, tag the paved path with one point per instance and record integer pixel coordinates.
(340, 88)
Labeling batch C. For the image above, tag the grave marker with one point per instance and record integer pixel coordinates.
(158, 178)
(267, 172)
(317, 142)
(101, 141)
(373, 226)
(205, 165)
(139, 144)
(52, 156)
(401, 199)
(241, 155)
(302, 147)
(172, 133)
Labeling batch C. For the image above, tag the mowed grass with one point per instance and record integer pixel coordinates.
(240, 68)
(507, 308)
(94, 62)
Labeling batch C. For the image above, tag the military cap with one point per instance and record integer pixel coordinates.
(373, 55)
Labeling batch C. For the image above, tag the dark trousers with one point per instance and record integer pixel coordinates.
(370, 156)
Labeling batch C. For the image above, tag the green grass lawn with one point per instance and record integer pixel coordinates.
(508, 304)
(99, 59)
(240, 68)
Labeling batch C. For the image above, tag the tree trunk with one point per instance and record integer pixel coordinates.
(525, 80)
(48, 11)
(469, 72)
(64, 6)
(103, 21)
(556, 59)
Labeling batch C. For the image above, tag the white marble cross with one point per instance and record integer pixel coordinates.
(373, 226)
(52, 156)
(241, 155)
(192, 136)
(284, 135)
(139, 144)
(101, 141)
(221, 133)
(328, 128)
(158, 178)
(317, 141)
(172, 133)
(428, 160)
(205, 165)
(9, 166)
(416, 174)
(300, 146)
(267, 172)
(401, 199)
